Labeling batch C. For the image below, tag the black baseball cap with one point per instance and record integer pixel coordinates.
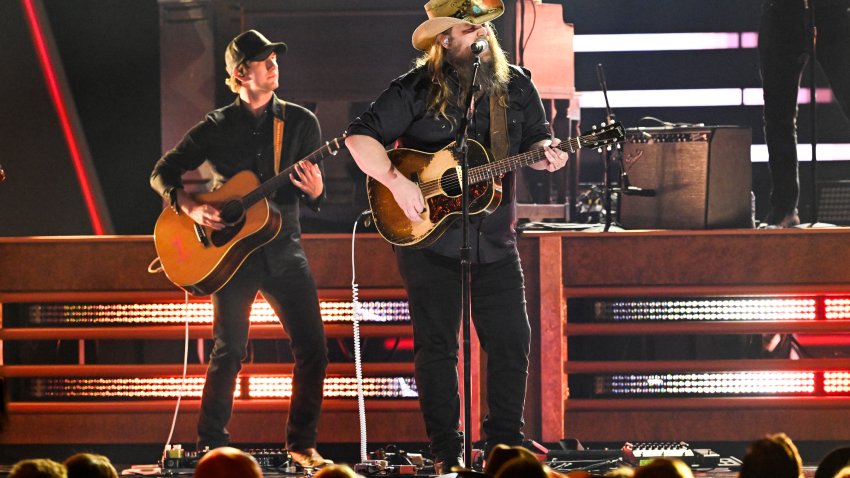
(251, 46)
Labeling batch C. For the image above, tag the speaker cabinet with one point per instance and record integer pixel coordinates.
(701, 178)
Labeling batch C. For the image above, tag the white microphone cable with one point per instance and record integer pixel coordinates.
(358, 365)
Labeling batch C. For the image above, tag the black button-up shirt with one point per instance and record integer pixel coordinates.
(233, 140)
(400, 114)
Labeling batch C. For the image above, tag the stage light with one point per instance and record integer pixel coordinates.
(706, 309)
(837, 308)
(836, 382)
(162, 388)
(706, 384)
(167, 313)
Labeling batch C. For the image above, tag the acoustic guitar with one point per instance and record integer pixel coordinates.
(201, 260)
(438, 176)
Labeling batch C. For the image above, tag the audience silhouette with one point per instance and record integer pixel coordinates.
(774, 456)
(38, 468)
(834, 463)
(90, 465)
(664, 468)
(228, 462)
(336, 471)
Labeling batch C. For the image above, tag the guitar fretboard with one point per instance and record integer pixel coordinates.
(488, 171)
(266, 189)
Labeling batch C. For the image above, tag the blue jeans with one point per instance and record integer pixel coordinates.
(292, 294)
(433, 284)
(783, 51)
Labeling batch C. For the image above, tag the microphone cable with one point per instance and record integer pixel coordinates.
(358, 363)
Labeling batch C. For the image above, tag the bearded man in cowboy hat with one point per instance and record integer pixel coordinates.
(259, 133)
(421, 110)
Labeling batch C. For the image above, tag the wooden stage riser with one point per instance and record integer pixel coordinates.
(695, 426)
(245, 427)
(557, 267)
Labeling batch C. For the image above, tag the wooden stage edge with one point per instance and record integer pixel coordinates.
(558, 266)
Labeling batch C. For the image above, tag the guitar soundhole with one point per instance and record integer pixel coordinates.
(450, 183)
(234, 214)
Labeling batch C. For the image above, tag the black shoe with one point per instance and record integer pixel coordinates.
(444, 465)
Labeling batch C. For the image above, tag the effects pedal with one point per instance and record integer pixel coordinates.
(177, 458)
(643, 453)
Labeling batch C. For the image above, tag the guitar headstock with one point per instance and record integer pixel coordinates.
(605, 135)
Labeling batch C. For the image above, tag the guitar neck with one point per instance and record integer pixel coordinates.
(491, 170)
(266, 189)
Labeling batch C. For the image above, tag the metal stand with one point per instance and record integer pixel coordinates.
(811, 29)
(461, 149)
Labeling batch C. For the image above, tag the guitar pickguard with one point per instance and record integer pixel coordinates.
(441, 206)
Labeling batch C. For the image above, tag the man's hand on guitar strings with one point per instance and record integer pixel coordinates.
(203, 214)
(309, 179)
(555, 158)
(409, 197)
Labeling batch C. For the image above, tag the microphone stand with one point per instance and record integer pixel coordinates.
(811, 30)
(460, 150)
(625, 188)
(606, 154)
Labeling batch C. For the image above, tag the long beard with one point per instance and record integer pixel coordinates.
(486, 79)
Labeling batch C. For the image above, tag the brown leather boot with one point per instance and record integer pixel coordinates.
(309, 458)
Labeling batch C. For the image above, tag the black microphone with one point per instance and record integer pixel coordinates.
(629, 190)
(479, 46)
(636, 191)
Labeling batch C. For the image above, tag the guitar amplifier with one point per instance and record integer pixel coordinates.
(700, 178)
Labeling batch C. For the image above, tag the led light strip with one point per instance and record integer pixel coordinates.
(708, 384)
(706, 309)
(836, 309)
(664, 41)
(376, 311)
(95, 215)
(836, 382)
(258, 387)
(691, 97)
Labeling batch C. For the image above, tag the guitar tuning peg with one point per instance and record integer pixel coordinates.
(593, 127)
(602, 124)
(599, 150)
(609, 147)
(619, 146)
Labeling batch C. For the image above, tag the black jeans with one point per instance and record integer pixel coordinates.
(499, 315)
(292, 295)
(783, 52)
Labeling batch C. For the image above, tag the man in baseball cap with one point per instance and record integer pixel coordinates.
(250, 46)
(248, 136)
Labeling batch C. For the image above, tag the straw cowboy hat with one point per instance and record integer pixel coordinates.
(444, 14)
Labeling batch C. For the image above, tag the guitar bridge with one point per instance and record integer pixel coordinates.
(201, 235)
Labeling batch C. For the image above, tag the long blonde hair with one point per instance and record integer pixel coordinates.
(440, 94)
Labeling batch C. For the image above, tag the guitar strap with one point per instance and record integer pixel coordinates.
(498, 129)
(278, 137)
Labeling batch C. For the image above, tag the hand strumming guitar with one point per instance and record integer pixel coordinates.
(203, 214)
(372, 158)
